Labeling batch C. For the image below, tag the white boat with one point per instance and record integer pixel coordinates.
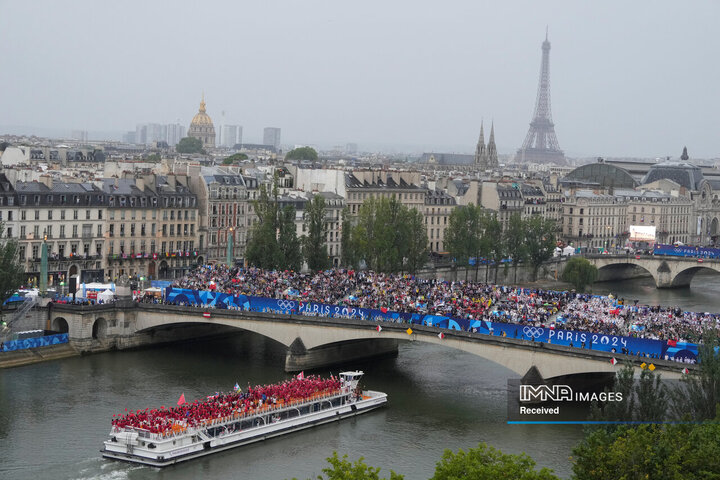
(139, 445)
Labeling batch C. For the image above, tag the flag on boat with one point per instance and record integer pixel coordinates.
(301, 375)
(441, 335)
(672, 343)
(378, 328)
(613, 361)
(206, 314)
(236, 387)
(182, 401)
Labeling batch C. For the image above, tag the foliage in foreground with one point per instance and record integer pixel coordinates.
(653, 451)
(343, 469)
(487, 463)
(481, 463)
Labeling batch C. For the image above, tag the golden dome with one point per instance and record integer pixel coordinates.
(201, 118)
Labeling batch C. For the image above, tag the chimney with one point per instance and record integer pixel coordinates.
(140, 183)
(46, 180)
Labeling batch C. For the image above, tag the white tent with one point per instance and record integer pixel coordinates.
(567, 251)
(106, 296)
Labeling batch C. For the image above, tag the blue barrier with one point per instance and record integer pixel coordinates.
(578, 339)
(45, 341)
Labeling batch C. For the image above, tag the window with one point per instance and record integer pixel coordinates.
(36, 231)
(122, 229)
(98, 248)
(75, 214)
(62, 231)
(50, 214)
(164, 231)
(99, 231)
(35, 252)
(23, 215)
(22, 232)
(75, 231)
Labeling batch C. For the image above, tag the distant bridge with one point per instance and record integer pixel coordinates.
(314, 342)
(667, 271)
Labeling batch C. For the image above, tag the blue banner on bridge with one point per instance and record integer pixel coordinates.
(45, 341)
(572, 338)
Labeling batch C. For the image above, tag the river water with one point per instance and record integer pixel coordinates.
(55, 415)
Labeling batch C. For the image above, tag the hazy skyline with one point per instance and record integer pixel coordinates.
(628, 78)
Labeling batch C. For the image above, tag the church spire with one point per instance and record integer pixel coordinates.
(480, 152)
(492, 156)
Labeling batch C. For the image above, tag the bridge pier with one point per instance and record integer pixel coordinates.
(298, 358)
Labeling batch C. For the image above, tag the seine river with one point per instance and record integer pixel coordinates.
(54, 416)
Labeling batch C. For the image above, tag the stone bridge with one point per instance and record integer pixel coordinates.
(667, 271)
(313, 342)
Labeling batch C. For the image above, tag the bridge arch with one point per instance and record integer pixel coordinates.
(628, 268)
(59, 324)
(99, 328)
(684, 277)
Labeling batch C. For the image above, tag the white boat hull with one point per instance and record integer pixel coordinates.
(165, 454)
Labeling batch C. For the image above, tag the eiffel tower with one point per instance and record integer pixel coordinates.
(541, 145)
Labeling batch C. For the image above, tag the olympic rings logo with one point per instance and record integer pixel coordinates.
(533, 331)
(286, 304)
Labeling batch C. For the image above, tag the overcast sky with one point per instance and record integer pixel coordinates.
(636, 78)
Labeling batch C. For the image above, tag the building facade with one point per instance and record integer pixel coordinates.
(202, 127)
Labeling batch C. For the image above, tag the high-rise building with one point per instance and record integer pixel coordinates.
(141, 134)
(229, 135)
(175, 132)
(271, 136)
(81, 135)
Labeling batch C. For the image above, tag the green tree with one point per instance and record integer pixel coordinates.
(415, 254)
(302, 153)
(190, 145)
(262, 248)
(288, 243)
(10, 266)
(514, 237)
(698, 395)
(344, 469)
(580, 273)
(487, 463)
(657, 452)
(154, 157)
(233, 159)
(539, 241)
(495, 245)
(347, 255)
(314, 243)
(388, 236)
(462, 237)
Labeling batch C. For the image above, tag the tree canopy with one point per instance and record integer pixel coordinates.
(235, 158)
(389, 236)
(10, 266)
(302, 153)
(273, 242)
(314, 243)
(190, 145)
(580, 273)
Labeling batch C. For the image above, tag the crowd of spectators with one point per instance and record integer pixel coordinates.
(459, 299)
(224, 406)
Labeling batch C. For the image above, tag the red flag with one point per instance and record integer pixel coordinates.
(181, 401)
(384, 310)
(206, 314)
(672, 343)
(685, 371)
(378, 328)
(441, 335)
(613, 361)
(301, 375)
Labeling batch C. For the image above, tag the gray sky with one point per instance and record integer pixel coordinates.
(628, 78)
